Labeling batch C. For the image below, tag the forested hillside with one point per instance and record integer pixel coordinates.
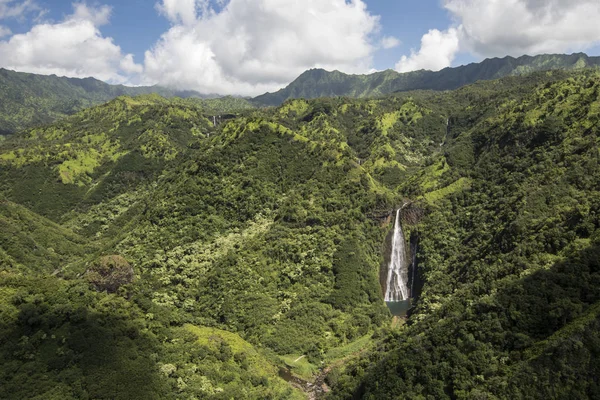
(146, 253)
(320, 83)
(29, 100)
(509, 253)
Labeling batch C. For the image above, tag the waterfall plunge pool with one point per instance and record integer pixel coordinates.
(399, 308)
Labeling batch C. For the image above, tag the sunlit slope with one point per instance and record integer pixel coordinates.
(262, 239)
(30, 100)
(508, 254)
(98, 153)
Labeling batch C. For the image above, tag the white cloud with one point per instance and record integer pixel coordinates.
(97, 15)
(251, 46)
(17, 9)
(516, 27)
(129, 66)
(179, 11)
(437, 51)
(74, 47)
(496, 28)
(389, 42)
(4, 31)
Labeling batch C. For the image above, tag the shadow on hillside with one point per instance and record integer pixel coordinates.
(57, 350)
(543, 325)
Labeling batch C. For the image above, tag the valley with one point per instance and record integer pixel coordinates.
(151, 251)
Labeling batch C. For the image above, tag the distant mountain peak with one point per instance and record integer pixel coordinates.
(28, 100)
(318, 82)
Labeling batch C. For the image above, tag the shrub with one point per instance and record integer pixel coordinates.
(109, 273)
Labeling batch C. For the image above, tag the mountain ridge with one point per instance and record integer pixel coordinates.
(28, 100)
(317, 82)
(125, 90)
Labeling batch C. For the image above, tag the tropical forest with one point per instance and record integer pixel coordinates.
(401, 234)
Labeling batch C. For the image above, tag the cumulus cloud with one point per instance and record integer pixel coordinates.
(437, 51)
(97, 15)
(517, 27)
(389, 42)
(129, 66)
(4, 31)
(496, 28)
(74, 48)
(17, 9)
(179, 11)
(250, 46)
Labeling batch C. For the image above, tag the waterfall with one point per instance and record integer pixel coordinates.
(396, 288)
(447, 132)
(414, 268)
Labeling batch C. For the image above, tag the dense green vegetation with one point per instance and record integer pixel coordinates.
(29, 100)
(320, 83)
(510, 260)
(259, 226)
(146, 253)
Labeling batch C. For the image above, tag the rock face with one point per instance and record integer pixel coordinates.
(109, 273)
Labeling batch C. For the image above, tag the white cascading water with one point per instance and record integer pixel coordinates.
(397, 288)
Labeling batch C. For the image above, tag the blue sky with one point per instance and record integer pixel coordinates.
(250, 46)
(136, 25)
(409, 21)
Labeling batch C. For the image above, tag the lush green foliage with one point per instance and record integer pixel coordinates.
(59, 340)
(319, 83)
(510, 260)
(260, 226)
(28, 100)
(30, 242)
(147, 247)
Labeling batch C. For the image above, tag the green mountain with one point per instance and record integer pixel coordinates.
(28, 100)
(320, 83)
(508, 250)
(147, 253)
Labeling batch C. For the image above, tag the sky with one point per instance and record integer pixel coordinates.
(248, 47)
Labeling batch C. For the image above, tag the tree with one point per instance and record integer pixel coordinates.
(109, 273)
